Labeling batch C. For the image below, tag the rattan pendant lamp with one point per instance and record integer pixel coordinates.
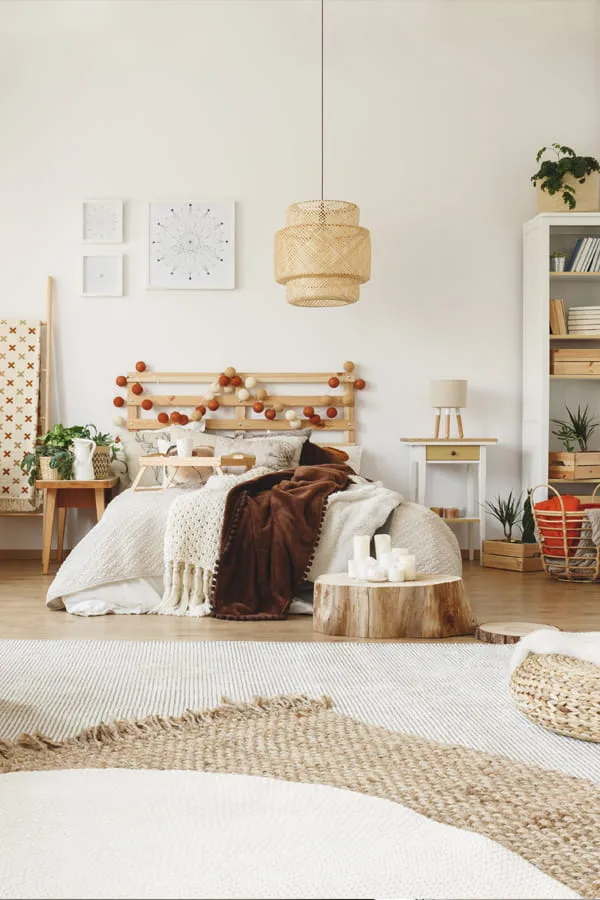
(322, 255)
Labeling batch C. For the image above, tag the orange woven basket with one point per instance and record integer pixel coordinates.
(565, 536)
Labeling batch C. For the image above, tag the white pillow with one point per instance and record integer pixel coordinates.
(143, 443)
(272, 452)
(199, 438)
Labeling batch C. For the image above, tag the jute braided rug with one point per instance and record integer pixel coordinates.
(550, 819)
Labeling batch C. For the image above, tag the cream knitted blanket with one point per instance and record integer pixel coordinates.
(191, 547)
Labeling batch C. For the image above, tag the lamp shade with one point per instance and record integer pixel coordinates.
(322, 255)
(451, 393)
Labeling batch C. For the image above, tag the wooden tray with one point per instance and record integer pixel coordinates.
(218, 463)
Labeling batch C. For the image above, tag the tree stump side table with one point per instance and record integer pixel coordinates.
(432, 606)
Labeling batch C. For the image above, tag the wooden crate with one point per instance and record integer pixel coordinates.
(587, 196)
(513, 557)
(573, 466)
(575, 361)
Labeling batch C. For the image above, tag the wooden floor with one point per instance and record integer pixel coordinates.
(495, 595)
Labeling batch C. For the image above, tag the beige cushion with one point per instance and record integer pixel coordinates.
(194, 476)
(273, 452)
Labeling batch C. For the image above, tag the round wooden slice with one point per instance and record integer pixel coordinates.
(507, 632)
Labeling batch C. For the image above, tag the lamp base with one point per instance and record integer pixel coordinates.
(438, 422)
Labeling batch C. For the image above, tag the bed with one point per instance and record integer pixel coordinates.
(158, 544)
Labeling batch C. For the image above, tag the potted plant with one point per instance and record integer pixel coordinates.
(52, 457)
(576, 462)
(106, 451)
(557, 261)
(568, 182)
(513, 554)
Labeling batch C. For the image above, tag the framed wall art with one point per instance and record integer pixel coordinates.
(102, 221)
(102, 276)
(192, 245)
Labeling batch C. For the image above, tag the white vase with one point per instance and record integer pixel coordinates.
(83, 451)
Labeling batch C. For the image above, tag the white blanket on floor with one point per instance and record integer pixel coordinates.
(583, 645)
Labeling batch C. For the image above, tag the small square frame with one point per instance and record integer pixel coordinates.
(111, 206)
(113, 271)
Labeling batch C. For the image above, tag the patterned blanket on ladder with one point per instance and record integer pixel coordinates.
(19, 397)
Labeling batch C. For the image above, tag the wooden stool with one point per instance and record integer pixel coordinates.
(64, 495)
(432, 606)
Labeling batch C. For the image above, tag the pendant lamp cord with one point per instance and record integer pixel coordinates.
(322, 99)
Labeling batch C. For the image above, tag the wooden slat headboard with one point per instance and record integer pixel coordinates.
(237, 415)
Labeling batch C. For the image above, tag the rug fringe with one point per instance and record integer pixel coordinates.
(109, 732)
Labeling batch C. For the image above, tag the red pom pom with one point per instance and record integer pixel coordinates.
(183, 419)
(236, 381)
(258, 406)
(140, 366)
(334, 381)
(360, 384)
(213, 404)
(308, 411)
(121, 380)
(270, 414)
(175, 417)
(163, 418)
(147, 404)
(331, 412)
(315, 420)
(118, 401)
(201, 410)
(224, 380)
(137, 388)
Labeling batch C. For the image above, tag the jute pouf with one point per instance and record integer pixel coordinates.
(560, 693)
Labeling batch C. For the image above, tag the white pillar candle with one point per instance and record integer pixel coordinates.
(410, 567)
(362, 546)
(396, 572)
(352, 568)
(383, 544)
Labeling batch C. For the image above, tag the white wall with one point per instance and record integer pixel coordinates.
(434, 112)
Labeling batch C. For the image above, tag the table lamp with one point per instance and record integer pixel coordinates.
(449, 394)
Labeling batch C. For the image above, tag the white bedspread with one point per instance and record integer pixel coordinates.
(117, 566)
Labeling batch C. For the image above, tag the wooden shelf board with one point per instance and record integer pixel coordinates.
(587, 336)
(577, 377)
(575, 275)
(574, 481)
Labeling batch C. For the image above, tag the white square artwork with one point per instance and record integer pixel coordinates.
(103, 221)
(102, 276)
(192, 245)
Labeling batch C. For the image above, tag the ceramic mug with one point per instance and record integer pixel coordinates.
(185, 446)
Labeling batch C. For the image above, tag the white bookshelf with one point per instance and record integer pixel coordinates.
(545, 395)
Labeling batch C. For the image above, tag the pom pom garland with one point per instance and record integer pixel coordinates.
(250, 382)
(331, 412)
(120, 380)
(261, 394)
(224, 380)
(209, 395)
(201, 409)
(228, 389)
(308, 411)
(147, 404)
(236, 381)
(140, 366)
(229, 372)
(137, 389)
(118, 401)
(213, 405)
(296, 423)
(315, 420)
(163, 418)
(334, 381)
(196, 416)
(183, 419)
(258, 407)
(291, 415)
(360, 384)
(243, 394)
(270, 414)
(278, 407)
(175, 417)
(214, 387)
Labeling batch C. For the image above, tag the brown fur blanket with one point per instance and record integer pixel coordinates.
(270, 530)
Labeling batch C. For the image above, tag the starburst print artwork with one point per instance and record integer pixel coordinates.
(192, 245)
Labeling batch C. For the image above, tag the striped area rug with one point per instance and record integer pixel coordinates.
(452, 693)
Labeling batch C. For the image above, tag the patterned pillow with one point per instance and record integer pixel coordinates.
(272, 452)
(194, 476)
(143, 443)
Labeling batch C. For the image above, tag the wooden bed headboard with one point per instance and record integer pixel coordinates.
(234, 414)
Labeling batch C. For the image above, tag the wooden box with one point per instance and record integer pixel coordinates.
(513, 557)
(587, 196)
(575, 361)
(573, 466)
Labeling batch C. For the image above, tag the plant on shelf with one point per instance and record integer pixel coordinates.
(552, 172)
(558, 254)
(56, 446)
(577, 429)
(512, 554)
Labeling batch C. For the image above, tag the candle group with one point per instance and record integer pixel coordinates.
(390, 564)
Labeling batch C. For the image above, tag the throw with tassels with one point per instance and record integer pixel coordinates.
(19, 398)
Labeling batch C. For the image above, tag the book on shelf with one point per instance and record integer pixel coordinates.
(558, 318)
(585, 256)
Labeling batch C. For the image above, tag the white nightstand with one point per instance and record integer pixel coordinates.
(469, 453)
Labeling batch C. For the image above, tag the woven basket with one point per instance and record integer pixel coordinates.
(565, 536)
(560, 693)
(101, 463)
(46, 473)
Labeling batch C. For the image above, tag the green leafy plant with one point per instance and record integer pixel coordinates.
(558, 254)
(507, 510)
(551, 173)
(56, 444)
(577, 429)
(528, 523)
